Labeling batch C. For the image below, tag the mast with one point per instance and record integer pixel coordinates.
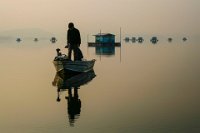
(100, 44)
(120, 44)
(87, 44)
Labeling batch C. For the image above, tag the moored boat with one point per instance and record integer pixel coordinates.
(170, 39)
(18, 39)
(184, 39)
(140, 39)
(154, 40)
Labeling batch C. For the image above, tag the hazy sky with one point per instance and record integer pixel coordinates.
(142, 16)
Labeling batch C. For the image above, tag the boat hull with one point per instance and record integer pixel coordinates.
(74, 66)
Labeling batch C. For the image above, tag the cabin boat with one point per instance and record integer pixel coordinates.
(104, 39)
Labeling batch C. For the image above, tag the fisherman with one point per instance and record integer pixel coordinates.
(73, 42)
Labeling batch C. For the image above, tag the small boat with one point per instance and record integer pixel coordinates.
(127, 39)
(61, 62)
(170, 39)
(35, 39)
(53, 39)
(154, 40)
(140, 39)
(104, 39)
(18, 40)
(184, 39)
(133, 39)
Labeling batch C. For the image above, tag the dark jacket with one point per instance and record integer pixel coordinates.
(73, 37)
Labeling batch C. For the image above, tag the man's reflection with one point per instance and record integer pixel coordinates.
(72, 84)
(74, 105)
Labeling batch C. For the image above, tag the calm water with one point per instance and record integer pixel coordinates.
(138, 88)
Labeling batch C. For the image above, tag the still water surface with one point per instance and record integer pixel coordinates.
(138, 88)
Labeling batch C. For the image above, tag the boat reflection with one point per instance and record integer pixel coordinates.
(105, 50)
(72, 82)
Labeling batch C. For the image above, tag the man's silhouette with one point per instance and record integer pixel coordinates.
(73, 42)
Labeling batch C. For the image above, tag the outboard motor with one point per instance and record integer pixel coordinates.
(58, 52)
(60, 56)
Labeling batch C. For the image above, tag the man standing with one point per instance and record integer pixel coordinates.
(73, 42)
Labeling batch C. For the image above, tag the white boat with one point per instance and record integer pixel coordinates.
(62, 63)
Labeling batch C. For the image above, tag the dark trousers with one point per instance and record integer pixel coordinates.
(76, 51)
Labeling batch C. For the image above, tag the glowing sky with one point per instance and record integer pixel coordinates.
(166, 16)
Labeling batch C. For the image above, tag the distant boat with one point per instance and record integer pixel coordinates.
(104, 39)
(133, 39)
(18, 40)
(140, 39)
(154, 40)
(53, 39)
(35, 39)
(126, 39)
(61, 62)
(170, 39)
(184, 39)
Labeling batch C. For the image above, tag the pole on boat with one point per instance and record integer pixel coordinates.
(120, 33)
(87, 44)
(120, 44)
(100, 44)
